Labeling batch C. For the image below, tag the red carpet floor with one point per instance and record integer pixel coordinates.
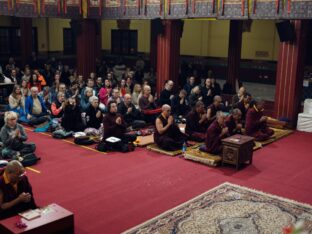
(110, 193)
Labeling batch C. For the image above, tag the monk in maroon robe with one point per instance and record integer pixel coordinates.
(197, 123)
(243, 105)
(233, 122)
(168, 135)
(215, 133)
(256, 125)
(214, 108)
(15, 191)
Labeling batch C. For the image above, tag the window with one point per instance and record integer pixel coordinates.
(69, 41)
(10, 41)
(124, 41)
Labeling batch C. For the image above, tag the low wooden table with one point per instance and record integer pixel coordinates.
(237, 149)
(53, 219)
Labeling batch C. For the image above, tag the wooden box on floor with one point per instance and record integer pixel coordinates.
(237, 149)
(53, 219)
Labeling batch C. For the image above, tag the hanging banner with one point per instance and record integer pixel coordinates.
(297, 9)
(50, 8)
(153, 9)
(176, 9)
(112, 9)
(6, 7)
(94, 9)
(132, 9)
(202, 8)
(72, 9)
(233, 9)
(26, 8)
(266, 9)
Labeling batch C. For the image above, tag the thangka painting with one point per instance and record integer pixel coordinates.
(112, 9)
(72, 8)
(95, 8)
(26, 8)
(297, 9)
(266, 9)
(50, 8)
(132, 9)
(153, 9)
(6, 7)
(233, 9)
(177, 8)
(202, 8)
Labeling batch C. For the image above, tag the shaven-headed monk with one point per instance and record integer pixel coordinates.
(214, 108)
(215, 133)
(256, 125)
(167, 135)
(233, 122)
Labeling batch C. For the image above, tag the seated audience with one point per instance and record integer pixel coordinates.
(46, 96)
(17, 101)
(36, 111)
(115, 96)
(168, 135)
(233, 122)
(98, 85)
(129, 84)
(180, 105)
(243, 105)
(208, 92)
(84, 101)
(16, 193)
(94, 116)
(24, 88)
(197, 123)
(147, 105)
(216, 87)
(130, 113)
(195, 96)
(240, 95)
(57, 107)
(256, 123)
(137, 89)
(34, 82)
(166, 94)
(13, 137)
(122, 88)
(72, 120)
(115, 126)
(105, 91)
(215, 133)
(214, 108)
(189, 85)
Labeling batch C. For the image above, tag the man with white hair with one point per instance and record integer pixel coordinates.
(168, 135)
(36, 111)
(94, 116)
(215, 133)
(15, 191)
(13, 137)
(147, 105)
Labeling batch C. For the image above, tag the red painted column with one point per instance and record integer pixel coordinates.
(86, 47)
(289, 77)
(168, 53)
(234, 52)
(26, 39)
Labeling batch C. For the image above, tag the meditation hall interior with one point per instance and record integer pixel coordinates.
(155, 116)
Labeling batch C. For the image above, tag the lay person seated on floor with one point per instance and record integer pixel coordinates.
(71, 120)
(13, 137)
(130, 113)
(215, 133)
(214, 108)
(17, 102)
(36, 111)
(115, 126)
(166, 94)
(233, 122)
(58, 105)
(197, 123)
(168, 135)
(180, 105)
(256, 123)
(94, 116)
(15, 190)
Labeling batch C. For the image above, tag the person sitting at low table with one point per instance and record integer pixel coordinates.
(215, 133)
(15, 190)
(256, 123)
(233, 122)
(168, 135)
(197, 123)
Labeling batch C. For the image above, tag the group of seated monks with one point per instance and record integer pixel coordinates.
(210, 126)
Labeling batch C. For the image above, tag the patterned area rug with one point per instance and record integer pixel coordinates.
(230, 209)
